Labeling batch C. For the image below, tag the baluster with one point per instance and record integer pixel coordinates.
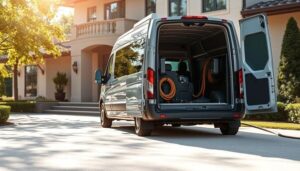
(94, 28)
(114, 27)
(97, 28)
(103, 28)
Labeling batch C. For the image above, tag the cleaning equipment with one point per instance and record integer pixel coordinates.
(203, 82)
(207, 76)
(167, 96)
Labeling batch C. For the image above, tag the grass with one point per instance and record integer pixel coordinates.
(274, 125)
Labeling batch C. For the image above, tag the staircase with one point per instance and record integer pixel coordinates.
(75, 108)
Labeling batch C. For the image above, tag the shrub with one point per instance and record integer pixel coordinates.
(281, 115)
(293, 112)
(4, 113)
(289, 70)
(20, 106)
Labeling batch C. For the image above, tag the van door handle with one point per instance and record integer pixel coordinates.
(123, 83)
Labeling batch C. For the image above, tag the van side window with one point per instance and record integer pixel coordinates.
(129, 60)
(109, 68)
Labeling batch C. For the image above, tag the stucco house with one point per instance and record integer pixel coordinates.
(98, 23)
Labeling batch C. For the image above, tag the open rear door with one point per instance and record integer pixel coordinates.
(259, 82)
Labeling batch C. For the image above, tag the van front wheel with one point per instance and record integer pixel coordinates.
(105, 122)
(230, 128)
(142, 128)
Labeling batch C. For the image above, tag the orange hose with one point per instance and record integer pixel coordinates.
(172, 93)
(203, 83)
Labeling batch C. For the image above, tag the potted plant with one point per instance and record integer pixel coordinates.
(60, 82)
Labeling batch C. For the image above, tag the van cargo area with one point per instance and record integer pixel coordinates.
(195, 66)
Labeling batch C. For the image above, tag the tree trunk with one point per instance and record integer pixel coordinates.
(16, 93)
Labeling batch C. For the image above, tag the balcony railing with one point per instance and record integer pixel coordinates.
(103, 28)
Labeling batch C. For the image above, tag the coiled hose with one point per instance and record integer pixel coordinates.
(167, 96)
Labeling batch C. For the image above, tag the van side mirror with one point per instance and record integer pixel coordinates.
(98, 76)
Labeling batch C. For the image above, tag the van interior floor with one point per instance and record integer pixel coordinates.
(194, 64)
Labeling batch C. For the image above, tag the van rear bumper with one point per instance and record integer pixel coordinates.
(152, 114)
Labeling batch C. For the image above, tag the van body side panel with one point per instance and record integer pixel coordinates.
(134, 82)
(134, 94)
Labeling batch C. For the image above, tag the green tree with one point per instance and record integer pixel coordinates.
(27, 32)
(289, 66)
(66, 21)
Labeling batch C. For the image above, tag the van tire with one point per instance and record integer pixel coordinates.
(104, 121)
(230, 128)
(142, 128)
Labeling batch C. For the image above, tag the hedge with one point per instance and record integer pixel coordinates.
(281, 115)
(293, 112)
(4, 113)
(20, 106)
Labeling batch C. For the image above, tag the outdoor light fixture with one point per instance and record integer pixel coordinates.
(75, 67)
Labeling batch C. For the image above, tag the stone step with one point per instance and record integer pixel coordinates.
(76, 108)
(91, 104)
(72, 112)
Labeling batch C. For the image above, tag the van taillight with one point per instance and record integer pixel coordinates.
(194, 17)
(150, 78)
(240, 76)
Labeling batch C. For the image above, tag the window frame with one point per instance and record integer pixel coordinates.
(204, 2)
(149, 7)
(122, 13)
(110, 61)
(88, 16)
(25, 81)
(169, 8)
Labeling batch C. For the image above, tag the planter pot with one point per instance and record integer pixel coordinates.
(60, 96)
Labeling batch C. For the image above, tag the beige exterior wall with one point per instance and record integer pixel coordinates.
(62, 64)
(194, 7)
(135, 9)
(45, 85)
(21, 83)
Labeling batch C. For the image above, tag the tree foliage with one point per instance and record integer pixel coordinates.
(27, 32)
(289, 66)
(66, 21)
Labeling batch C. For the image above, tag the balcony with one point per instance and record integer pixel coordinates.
(102, 28)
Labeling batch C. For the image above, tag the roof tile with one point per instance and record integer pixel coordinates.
(272, 3)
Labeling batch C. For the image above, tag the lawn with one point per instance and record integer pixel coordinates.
(274, 125)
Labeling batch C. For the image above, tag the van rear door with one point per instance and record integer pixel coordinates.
(258, 75)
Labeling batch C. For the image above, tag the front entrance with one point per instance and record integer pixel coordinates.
(93, 58)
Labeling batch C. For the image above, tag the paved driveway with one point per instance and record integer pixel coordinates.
(52, 142)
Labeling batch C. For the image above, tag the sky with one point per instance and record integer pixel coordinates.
(64, 11)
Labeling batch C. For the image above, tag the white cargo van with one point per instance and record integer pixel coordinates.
(188, 70)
